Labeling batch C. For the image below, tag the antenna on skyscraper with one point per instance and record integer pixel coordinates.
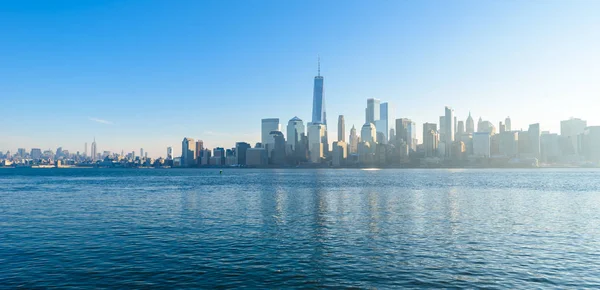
(319, 65)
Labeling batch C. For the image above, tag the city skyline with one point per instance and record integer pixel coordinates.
(484, 58)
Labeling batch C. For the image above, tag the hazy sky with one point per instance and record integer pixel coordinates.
(148, 73)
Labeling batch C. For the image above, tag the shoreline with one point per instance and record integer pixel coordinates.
(314, 168)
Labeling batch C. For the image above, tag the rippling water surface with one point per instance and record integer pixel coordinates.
(299, 228)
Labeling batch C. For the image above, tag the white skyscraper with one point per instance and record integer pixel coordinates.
(535, 142)
(94, 150)
(448, 129)
(85, 150)
(267, 126)
(295, 128)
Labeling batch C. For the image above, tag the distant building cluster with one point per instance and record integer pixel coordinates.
(381, 141)
(63, 158)
(385, 142)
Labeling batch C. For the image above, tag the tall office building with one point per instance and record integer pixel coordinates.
(339, 154)
(316, 138)
(141, 153)
(430, 139)
(341, 129)
(353, 141)
(188, 152)
(449, 128)
(508, 144)
(199, 150)
(169, 153)
(590, 144)
(406, 132)
(278, 153)
(85, 150)
(571, 130)
(94, 150)
(534, 137)
(240, 151)
(442, 128)
(481, 144)
(319, 115)
(460, 128)
(368, 133)
(267, 126)
(507, 124)
(36, 153)
(470, 126)
(455, 124)
(382, 125)
(295, 128)
(372, 112)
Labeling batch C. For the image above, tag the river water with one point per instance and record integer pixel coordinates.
(197, 228)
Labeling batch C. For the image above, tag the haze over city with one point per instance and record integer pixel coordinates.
(144, 74)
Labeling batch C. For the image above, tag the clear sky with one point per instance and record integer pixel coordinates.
(148, 73)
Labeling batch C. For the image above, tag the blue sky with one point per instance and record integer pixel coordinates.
(148, 73)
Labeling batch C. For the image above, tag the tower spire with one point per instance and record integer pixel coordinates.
(319, 65)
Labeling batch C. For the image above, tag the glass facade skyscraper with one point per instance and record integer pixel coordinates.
(319, 115)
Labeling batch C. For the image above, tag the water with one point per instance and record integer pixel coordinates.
(99, 228)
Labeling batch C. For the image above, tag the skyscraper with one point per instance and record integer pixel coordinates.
(278, 152)
(199, 150)
(470, 126)
(382, 125)
(188, 152)
(267, 126)
(534, 135)
(406, 132)
(295, 128)
(316, 137)
(430, 139)
(319, 115)
(460, 128)
(85, 150)
(341, 129)
(449, 128)
(372, 110)
(368, 133)
(507, 124)
(169, 153)
(93, 150)
(353, 141)
(571, 130)
(240, 152)
(141, 153)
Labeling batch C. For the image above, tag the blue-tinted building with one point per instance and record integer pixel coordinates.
(318, 113)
